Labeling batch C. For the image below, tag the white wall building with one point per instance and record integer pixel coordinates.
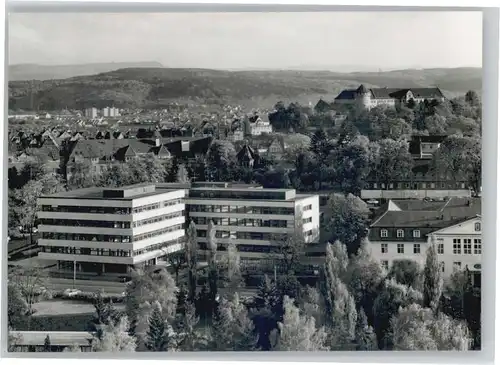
(253, 218)
(111, 230)
(406, 229)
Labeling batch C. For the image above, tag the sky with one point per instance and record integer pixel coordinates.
(324, 40)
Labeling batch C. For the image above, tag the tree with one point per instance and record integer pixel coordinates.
(267, 311)
(72, 348)
(433, 282)
(189, 336)
(213, 274)
(159, 335)
(394, 161)
(116, 175)
(82, 175)
(298, 333)
(364, 278)
(46, 344)
(417, 329)
(182, 175)
(312, 304)
(105, 312)
(16, 305)
(145, 288)
(459, 158)
(176, 261)
(190, 249)
(472, 98)
(26, 199)
(405, 271)
(115, 338)
(221, 160)
(28, 281)
(391, 297)
(232, 329)
(291, 246)
(340, 305)
(351, 163)
(232, 268)
(365, 337)
(345, 220)
(321, 148)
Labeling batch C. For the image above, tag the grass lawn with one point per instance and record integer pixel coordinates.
(60, 315)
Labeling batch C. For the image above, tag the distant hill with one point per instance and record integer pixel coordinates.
(157, 87)
(45, 72)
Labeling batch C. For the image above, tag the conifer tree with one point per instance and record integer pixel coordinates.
(115, 338)
(365, 336)
(190, 248)
(156, 336)
(189, 336)
(297, 332)
(46, 344)
(433, 282)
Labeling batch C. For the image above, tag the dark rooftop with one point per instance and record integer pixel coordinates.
(421, 214)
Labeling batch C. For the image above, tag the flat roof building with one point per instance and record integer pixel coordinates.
(255, 219)
(106, 230)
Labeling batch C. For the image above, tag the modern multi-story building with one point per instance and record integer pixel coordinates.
(91, 113)
(255, 219)
(404, 230)
(98, 230)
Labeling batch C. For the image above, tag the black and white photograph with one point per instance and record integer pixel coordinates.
(244, 181)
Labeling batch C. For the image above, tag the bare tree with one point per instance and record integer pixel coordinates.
(30, 282)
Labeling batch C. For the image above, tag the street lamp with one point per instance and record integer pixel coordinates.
(74, 267)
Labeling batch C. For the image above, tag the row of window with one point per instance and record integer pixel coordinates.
(467, 246)
(384, 248)
(240, 209)
(400, 233)
(87, 251)
(158, 232)
(108, 210)
(84, 223)
(417, 185)
(457, 265)
(307, 207)
(158, 219)
(106, 252)
(245, 235)
(245, 222)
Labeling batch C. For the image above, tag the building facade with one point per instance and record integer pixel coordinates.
(110, 231)
(255, 219)
(405, 229)
(365, 98)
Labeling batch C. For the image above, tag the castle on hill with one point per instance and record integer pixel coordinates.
(391, 97)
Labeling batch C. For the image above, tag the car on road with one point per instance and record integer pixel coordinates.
(70, 293)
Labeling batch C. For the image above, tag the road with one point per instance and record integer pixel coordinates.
(58, 284)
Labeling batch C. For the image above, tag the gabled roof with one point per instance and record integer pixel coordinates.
(422, 214)
(246, 153)
(348, 94)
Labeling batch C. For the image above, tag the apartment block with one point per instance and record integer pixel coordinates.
(111, 230)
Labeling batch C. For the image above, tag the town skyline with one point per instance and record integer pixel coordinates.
(244, 40)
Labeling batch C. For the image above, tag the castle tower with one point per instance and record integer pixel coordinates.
(363, 98)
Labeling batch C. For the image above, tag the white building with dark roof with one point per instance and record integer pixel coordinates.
(98, 230)
(404, 229)
(368, 98)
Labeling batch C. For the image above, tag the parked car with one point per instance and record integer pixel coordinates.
(70, 293)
